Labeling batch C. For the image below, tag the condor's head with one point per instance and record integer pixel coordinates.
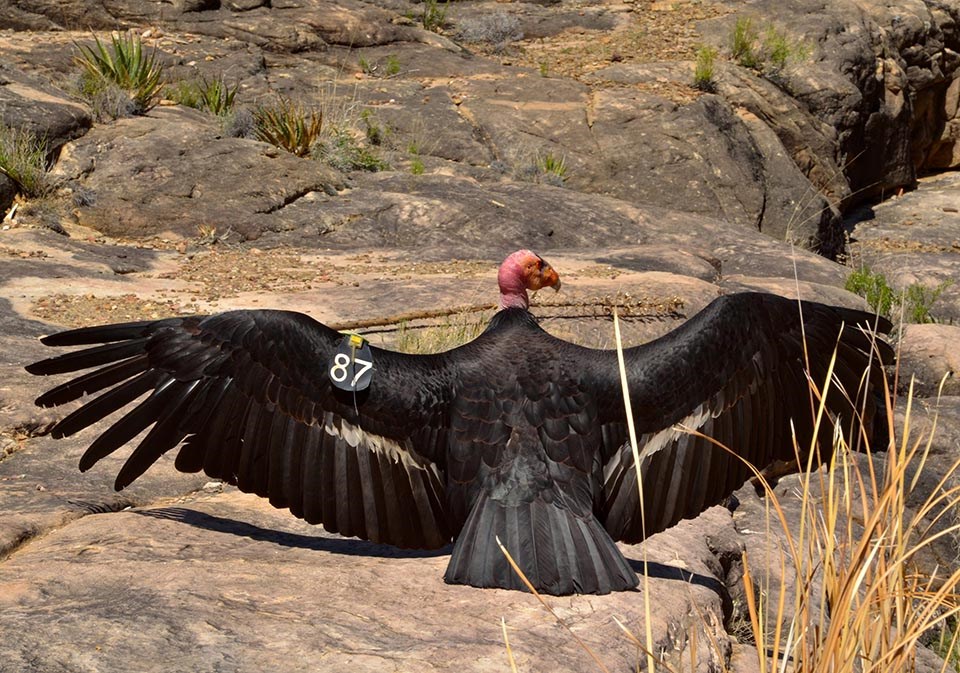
(524, 270)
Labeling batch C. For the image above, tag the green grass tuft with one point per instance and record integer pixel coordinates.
(743, 43)
(552, 169)
(704, 70)
(23, 159)
(769, 55)
(344, 151)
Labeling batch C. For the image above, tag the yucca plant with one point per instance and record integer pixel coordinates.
(23, 159)
(216, 95)
(213, 95)
(125, 65)
(288, 125)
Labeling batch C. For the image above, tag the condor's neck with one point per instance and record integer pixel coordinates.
(513, 294)
(512, 316)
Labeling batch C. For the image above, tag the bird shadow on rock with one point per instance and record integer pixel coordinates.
(344, 546)
(354, 547)
(662, 571)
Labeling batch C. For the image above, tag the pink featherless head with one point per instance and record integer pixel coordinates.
(521, 271)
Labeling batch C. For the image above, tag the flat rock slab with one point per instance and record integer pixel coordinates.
(915, 238)
(225, 582)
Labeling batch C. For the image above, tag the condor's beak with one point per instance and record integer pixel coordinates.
(550, 278)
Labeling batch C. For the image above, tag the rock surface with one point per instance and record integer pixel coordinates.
(667, 197)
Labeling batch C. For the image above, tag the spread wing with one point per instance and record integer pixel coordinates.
(736, 372)
(247, 396)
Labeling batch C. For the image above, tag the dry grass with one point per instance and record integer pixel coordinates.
(862, 598)
(458, 330)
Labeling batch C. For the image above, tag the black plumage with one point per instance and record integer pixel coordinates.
(516, 434)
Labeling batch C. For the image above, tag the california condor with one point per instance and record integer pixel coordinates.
(516, 434)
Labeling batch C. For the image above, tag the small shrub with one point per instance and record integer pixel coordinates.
(918, 300)
(184, 93)
(874, 288)
(376, 134)
(389, 68)
(23, 158)
(498, 29)
(288, 125)
(239, 124)
(107, 100)
(416, 163)
(780, 50)
(771, 55)
(345, 153)
(434, 15)
(125, 66)
(544, 69)
(704, 69)
(743, 43)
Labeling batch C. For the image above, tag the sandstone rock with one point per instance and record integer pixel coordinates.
(878, 106)
(913, 239)
(174, 173)
(781, 138)
(944, 152)
(643, 149)
(929, 353)
(198, 579)
(29, 103)
(228, 571)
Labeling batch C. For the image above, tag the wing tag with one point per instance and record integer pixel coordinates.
(352, 365)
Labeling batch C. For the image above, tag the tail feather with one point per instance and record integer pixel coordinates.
(558, 551)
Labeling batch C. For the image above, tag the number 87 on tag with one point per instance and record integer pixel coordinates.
(352, 364)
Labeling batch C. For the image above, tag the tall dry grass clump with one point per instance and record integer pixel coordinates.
(862, 596)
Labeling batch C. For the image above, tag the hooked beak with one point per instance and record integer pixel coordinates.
(549, 277)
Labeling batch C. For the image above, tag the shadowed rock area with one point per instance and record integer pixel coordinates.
(573, 129)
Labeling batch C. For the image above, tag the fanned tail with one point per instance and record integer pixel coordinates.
(559, 552)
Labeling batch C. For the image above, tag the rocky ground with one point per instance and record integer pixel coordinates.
(669, 196)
